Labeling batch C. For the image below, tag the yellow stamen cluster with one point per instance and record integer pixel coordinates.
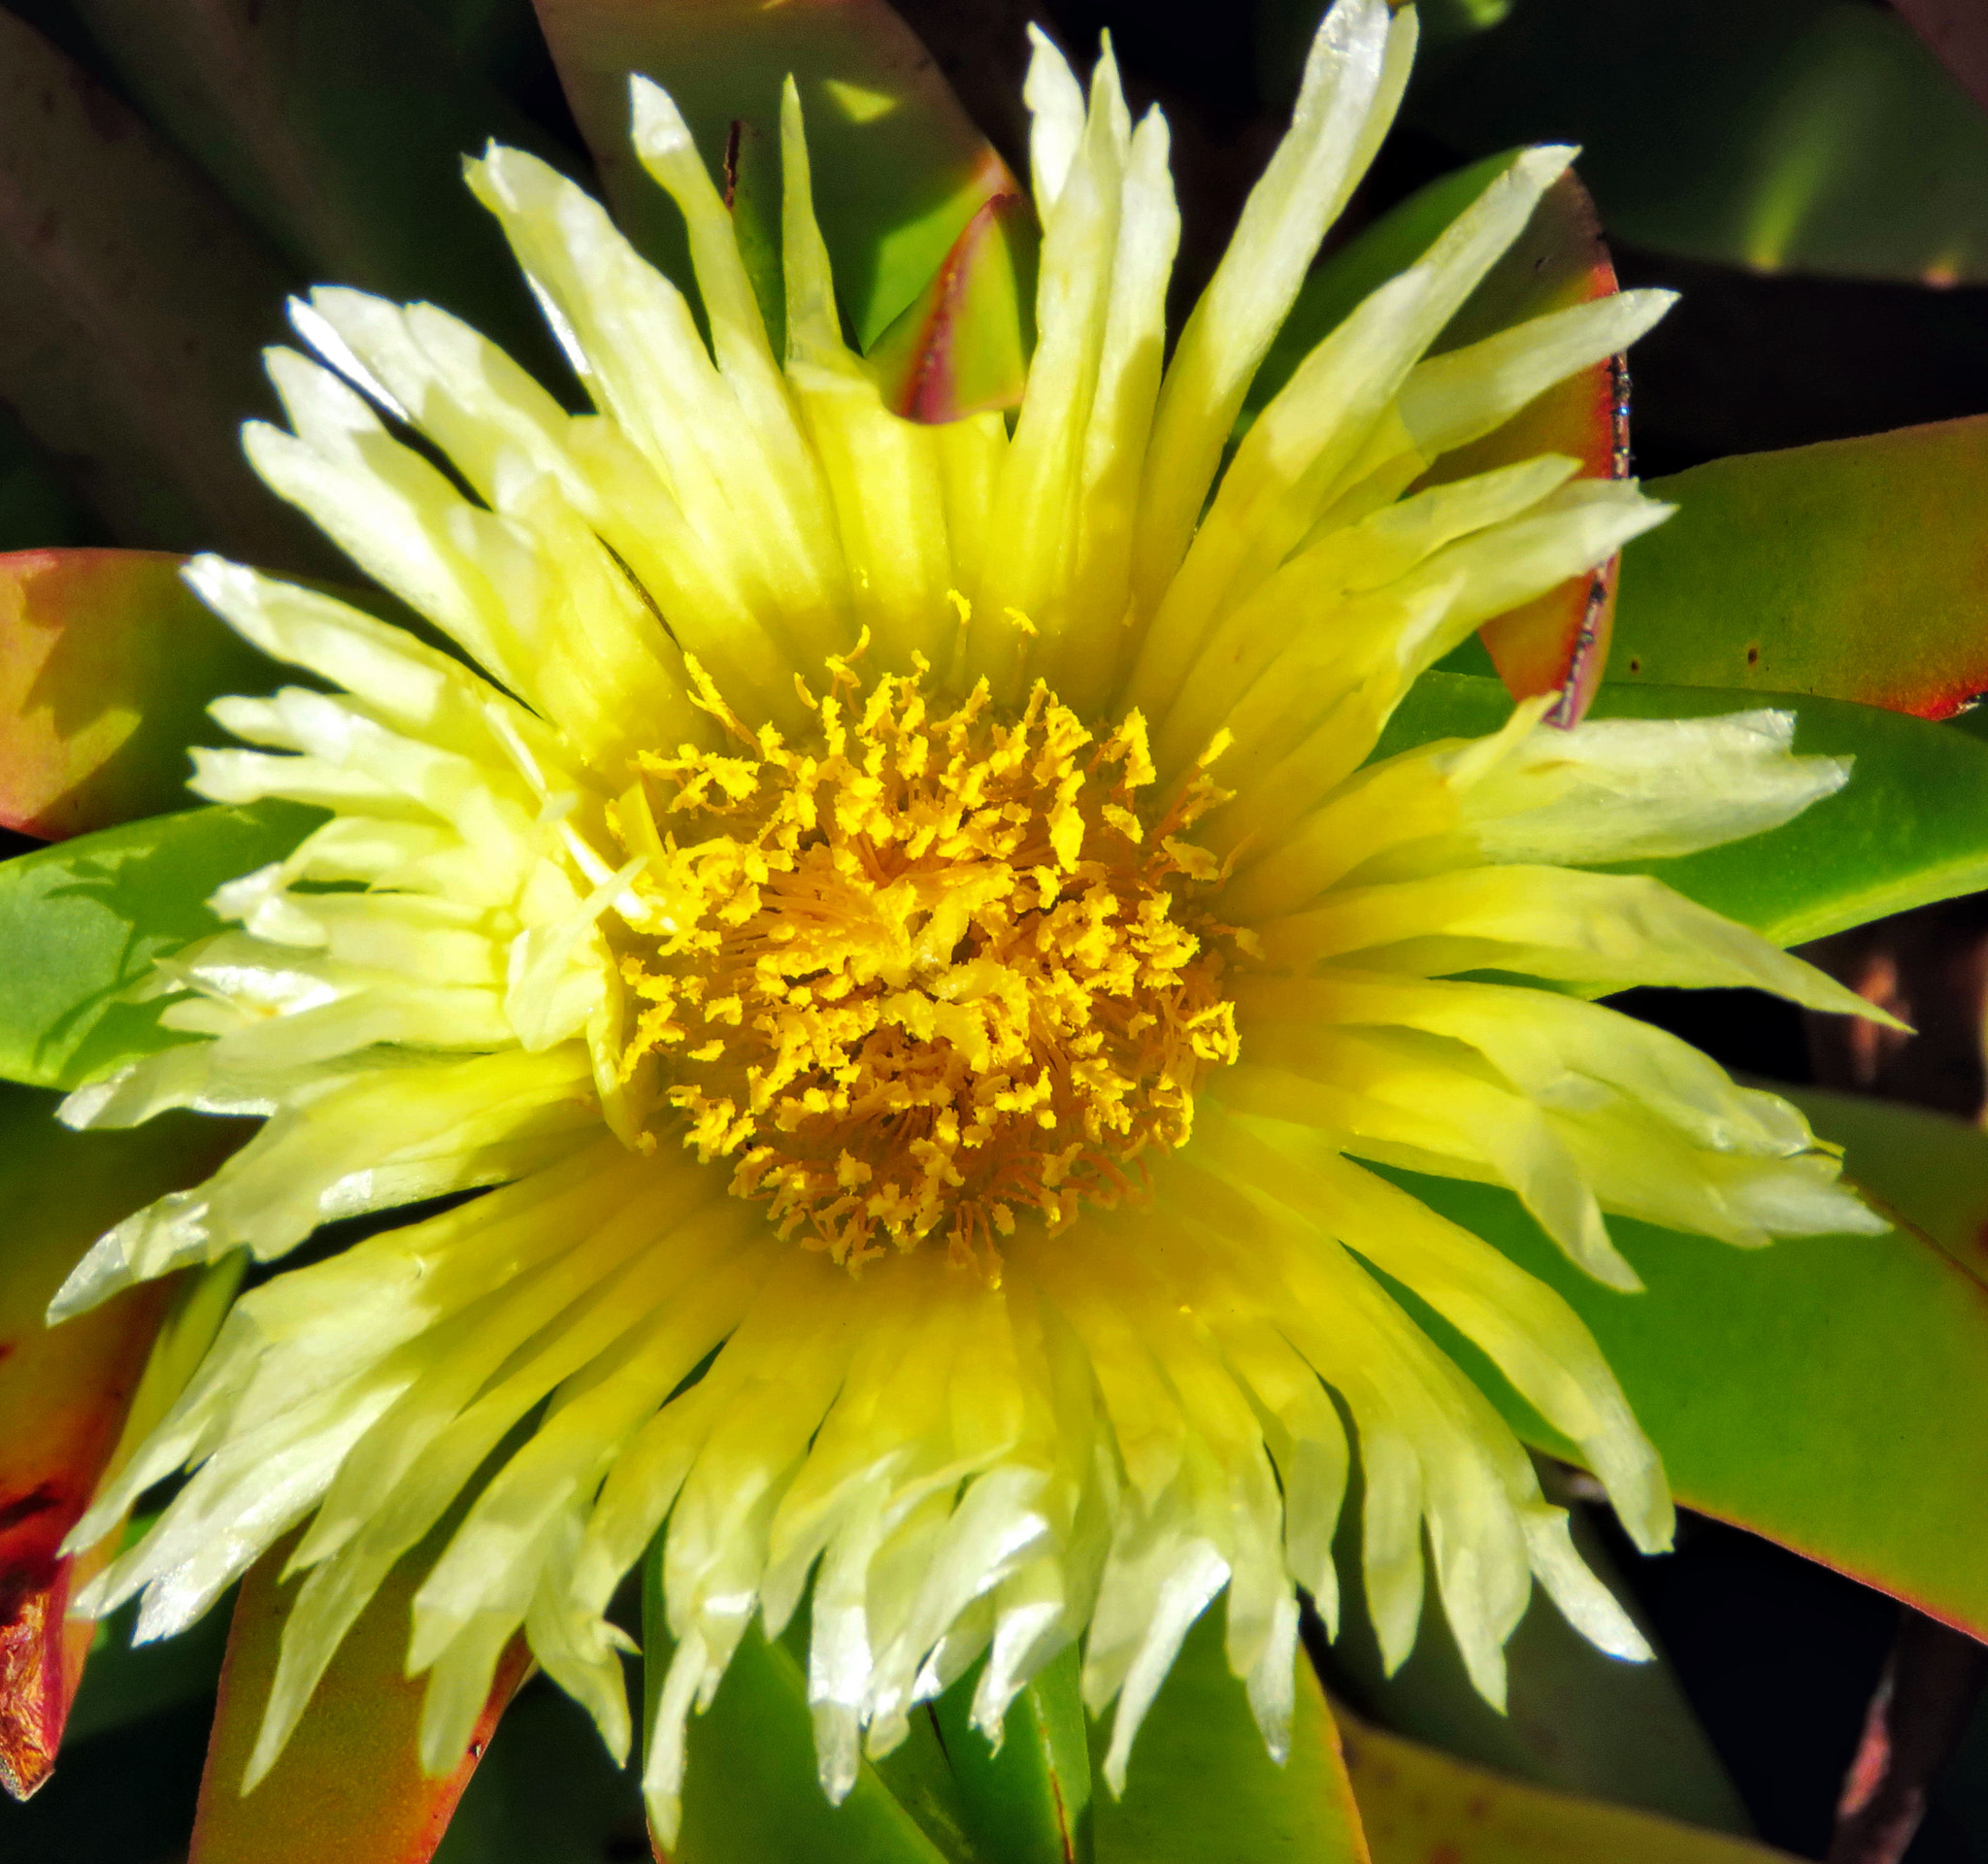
(930, 971)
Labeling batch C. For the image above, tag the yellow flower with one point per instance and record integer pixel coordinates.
(905, 920)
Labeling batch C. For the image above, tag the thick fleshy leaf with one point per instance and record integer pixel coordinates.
(1421, 1806)
(1577, 1720)
(339, 131)
(750, 1792)
(81, 923)
(956, 349)
(899, 168)
(1819, 136)
(1031, 1802)
(133, 304)
(1924, 1169)
(1558, 642)
(1813, 1392)
(350, 1784)
(1202, 1785)
(65, 1392)
(1910, 827)
(1856, 568)
(107, 664)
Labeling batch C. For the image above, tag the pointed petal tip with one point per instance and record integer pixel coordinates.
(655, 123)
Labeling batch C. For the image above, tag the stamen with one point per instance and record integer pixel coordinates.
(926, 971)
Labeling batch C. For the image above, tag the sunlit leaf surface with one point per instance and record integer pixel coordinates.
(752, 1794)
(107, 664)
(1811, 1391)
(899, 169)
(1856, 569)
(82, 922)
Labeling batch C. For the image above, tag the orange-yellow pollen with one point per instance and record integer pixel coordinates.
(927, 973)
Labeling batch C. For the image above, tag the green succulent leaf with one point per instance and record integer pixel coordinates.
(350, 1784)
(1420, 1805)
(942, 1796)
(107, 664)
(1202, 1784)
(338, 130)
(899, 168)
(133, 303)
(1031, 1802)
(1922, 1168)
(1910, 827)
(750, 1793)
(1854, 569)
(1806, 1391)
(81, 923)
(957, 349)
(1823, 137)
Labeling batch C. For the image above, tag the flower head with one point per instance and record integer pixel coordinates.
(906, 919)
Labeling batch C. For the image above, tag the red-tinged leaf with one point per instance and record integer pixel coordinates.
(899, 168)
(65, 1392)
(350, 1784)
(133, 304)
(107, 664)
(1421, 1806)
(1854, 569)
(1558, 642)
(956, 349)
(1816, 1392)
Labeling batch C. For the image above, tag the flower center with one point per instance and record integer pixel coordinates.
(930, 970)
